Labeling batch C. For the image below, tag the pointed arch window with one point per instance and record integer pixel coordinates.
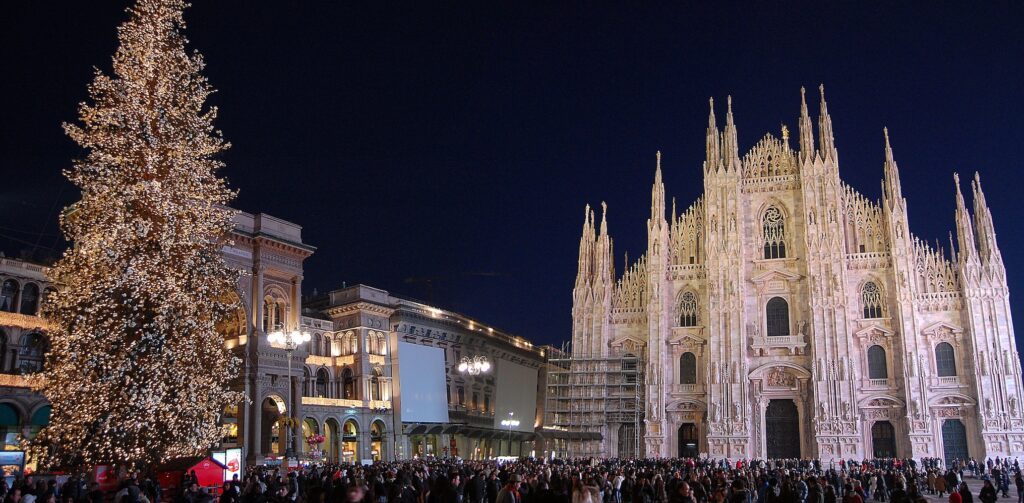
(773, 227)
(878, 368)
(945, 360)
(776, 317)
(688, 368)
(688, 310)
(871, 298)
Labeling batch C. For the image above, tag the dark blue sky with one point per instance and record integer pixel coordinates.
(460, 142)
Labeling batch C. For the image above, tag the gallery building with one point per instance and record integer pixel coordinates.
(345, 385)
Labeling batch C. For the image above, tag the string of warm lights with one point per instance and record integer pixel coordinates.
(137, 371)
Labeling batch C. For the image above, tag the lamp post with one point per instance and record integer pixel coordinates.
(510, 422)
(475, 365)
(290, 341)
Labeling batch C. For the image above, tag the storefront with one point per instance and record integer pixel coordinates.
(350, 441)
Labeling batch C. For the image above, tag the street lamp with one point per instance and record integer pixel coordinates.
(511, 423)
(475, 365)
(290, 341)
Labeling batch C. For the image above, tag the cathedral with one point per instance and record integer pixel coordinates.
(783, 314)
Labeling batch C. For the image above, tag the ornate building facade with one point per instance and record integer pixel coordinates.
(784, 314)
(343, 384)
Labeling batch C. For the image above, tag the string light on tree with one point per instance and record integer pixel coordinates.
(137, 372)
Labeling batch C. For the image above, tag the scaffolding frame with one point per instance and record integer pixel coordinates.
(590, 393)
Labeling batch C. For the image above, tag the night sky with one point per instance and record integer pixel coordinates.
(456, 144)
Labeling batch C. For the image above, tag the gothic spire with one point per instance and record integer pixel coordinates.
(806, 132)
(987, 247)
(826, 140)
(657, 193)
(604, 219)
(964, 229)
(712, 145)
(893, 191)
(729, 143)
(586, 258)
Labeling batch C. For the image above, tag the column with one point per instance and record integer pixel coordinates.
(296, 302)
(254, 422)
(296, 412)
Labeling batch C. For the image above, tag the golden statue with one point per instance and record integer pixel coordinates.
(785, 133)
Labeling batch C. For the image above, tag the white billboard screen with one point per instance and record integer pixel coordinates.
(517, 393)
(421, 377)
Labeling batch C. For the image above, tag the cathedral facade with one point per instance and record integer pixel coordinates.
(783, 314)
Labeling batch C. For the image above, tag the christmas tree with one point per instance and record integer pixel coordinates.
(137, 372)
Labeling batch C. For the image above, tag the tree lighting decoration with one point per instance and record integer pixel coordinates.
(137, 372)
(475, 365)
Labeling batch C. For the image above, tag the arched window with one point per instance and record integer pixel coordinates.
(773, 227)
(279, 314)
(321, 383)
(348, 383)
(10, 427)
(871, 297)
(945, 360)
(314, 348)
(375, 388)
(776, 317)
(33, 349)
(688, 310)
(688, 368)
(268, 308)
(30, 299)
(8, 292)
(877, 366)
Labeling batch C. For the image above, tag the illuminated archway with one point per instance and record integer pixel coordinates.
(378, 440)
(272, 438)
(350, 441)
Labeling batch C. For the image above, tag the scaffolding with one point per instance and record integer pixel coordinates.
(594, 394)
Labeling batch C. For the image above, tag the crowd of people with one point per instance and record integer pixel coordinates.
(588, 480)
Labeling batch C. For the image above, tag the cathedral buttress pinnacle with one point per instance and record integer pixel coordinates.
(827, 144)
(806, 131)
(712, 144)
(986, 232)
(730, 144)
(968, 252)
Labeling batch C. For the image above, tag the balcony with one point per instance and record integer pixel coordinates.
(14, 381)
(947, 382)
(331, 361)
(795, 344)
(878, 383)
(687, 388)
(376, 359)
(342, 402)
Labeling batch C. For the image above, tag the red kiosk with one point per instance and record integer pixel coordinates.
(209, 471)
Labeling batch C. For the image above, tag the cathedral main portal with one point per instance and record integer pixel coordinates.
(782, 429)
